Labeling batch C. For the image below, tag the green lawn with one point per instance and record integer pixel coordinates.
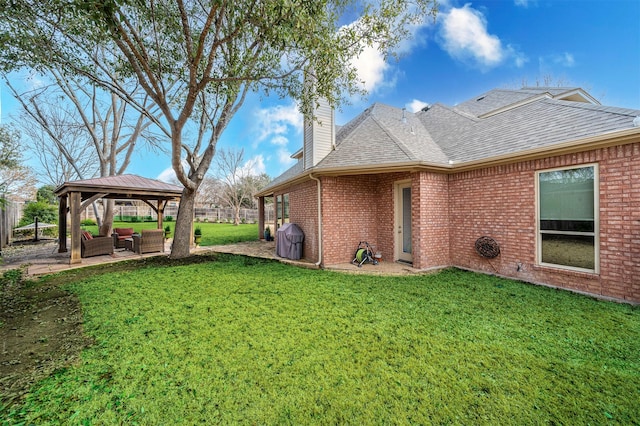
(244, 341)
(212, 233)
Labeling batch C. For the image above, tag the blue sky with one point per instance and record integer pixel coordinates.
(471, 48)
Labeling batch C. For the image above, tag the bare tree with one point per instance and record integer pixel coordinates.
(54, 164)
(252, 184)
(209, 192)
(94, 133)
(232, 175)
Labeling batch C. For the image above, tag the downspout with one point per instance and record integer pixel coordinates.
(319, 219)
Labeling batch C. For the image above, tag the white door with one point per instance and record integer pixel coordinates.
(403, 222)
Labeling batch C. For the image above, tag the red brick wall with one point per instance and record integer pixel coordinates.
(430, 220)
(500, 202)
(303, 211)
(452, 211)
(349, 215)
(620, 221)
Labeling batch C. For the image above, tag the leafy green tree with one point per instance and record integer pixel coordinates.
(198, 59)
(45, 212)
(46, 194)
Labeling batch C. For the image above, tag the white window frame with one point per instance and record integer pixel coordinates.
(596, 218)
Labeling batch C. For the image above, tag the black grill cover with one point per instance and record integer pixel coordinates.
(289, 238)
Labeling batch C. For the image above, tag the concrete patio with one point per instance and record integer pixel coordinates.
(43, 258)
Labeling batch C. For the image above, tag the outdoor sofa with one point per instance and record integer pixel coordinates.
(95, 246)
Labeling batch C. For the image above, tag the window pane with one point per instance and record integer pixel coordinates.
(286, 207)
(569, 250)
(566, 200)
(279, 207)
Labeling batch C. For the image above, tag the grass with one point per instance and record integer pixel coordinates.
(212, 233)
(238, 340)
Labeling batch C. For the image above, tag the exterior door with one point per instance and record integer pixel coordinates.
(403, 222)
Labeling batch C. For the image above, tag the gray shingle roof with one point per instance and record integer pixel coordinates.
(492, 100)
(514, 121)
(380, 136)
(290, 173)
(122, 184)
(500, 98)
(539, 124)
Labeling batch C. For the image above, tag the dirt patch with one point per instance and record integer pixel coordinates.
(40, 331)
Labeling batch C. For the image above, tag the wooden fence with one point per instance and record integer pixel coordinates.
(10, 215)
(201, 214)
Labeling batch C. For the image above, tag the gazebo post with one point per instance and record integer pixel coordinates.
(76, 249)
(62, 224)
(261, 218)
(160, 212)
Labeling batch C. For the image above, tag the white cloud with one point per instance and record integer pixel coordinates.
(254, 166)
(522, 3)
(279, 140)
(167, 175)
(416, 105)
(551, 65)
(371, 68)
(276, 126)
(373, 71)
(277, 121)
(519, 58)
(284, 158)
(465, 36)
(565, 59)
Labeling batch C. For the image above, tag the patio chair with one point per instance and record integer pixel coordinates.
(95, 246)
(151, 240)
(120, 235)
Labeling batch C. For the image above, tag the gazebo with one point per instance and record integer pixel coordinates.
(77, 195)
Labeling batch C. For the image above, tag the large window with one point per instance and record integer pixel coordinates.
(568, 218)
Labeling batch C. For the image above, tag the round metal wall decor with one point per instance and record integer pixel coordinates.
(487, 247)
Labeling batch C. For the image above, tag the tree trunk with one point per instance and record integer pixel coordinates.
(236, 219)
(107, 216)
(183, 234)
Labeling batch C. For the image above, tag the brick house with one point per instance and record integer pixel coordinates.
(548, 174)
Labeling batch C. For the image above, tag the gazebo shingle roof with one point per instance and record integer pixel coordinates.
(122, 186)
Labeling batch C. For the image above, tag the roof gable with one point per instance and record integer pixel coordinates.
(499, 100)
(382, 135)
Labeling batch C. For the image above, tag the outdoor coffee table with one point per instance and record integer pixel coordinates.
(128, 244)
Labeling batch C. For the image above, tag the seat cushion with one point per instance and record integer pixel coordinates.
(123, 232)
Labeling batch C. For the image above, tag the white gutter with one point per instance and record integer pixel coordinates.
(319, 218)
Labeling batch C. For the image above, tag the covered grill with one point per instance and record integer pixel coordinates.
(289, 238)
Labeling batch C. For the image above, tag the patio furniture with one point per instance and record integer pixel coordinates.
(120, 235)
(128, 244)
(95, 246)
(150, 240)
